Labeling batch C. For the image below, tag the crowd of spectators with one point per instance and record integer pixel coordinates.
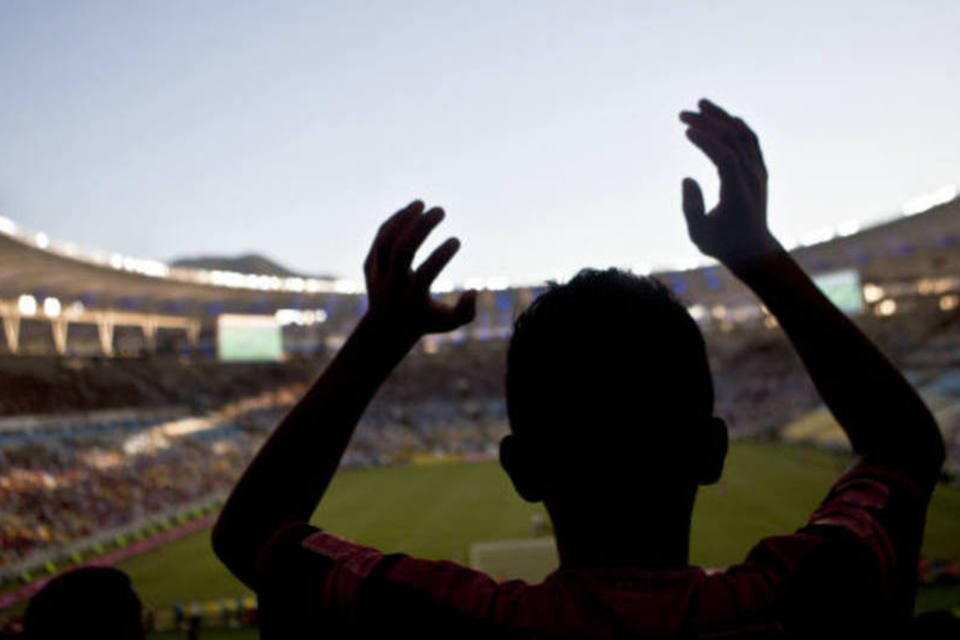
(60, 489)
(45, 384)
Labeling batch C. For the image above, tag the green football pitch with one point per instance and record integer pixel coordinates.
(439, 511)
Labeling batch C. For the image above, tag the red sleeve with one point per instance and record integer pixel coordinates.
(852, 567)
(315, 584)
(312, 580)
(885, 510)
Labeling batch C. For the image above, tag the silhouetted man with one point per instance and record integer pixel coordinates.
(624, 418)
(90, 602)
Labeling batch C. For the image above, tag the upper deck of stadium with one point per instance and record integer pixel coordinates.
(42, 279)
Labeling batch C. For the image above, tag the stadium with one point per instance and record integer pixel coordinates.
(136, 392)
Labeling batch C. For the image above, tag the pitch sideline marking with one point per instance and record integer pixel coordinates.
(477, 549)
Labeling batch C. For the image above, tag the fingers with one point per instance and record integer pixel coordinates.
(461, 313)
(435, 263)
(383, 243)
(734, 132)
(713, 119)
(693, 207)
(400, 236)
(719, 152)
(713, 110)
(729, 143)
(412, 236)
(397, 222)
(466, 307)
(717, 114)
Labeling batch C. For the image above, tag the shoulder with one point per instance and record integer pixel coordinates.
(881, 510)
(791, 584)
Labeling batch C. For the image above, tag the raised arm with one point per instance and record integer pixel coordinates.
(880, 412)
(293, 469)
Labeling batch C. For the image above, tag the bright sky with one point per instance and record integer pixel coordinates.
(546, 129)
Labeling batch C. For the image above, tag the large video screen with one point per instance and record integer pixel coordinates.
(248, 338)
(842, 288)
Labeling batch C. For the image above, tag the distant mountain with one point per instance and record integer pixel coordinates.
(250, 263)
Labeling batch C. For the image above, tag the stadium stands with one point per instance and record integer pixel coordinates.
(70, 481)
(73, 476)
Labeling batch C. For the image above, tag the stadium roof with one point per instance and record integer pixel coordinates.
(31, 263)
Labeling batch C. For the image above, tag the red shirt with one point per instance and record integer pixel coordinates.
(851, 569)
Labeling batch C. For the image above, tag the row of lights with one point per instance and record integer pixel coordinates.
(51, 307)
(28, 306)
(157, 269)
(888, 306)
(924, 286)
(885, 307)
(300, 317)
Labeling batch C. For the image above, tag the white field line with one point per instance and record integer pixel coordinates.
(478, 549)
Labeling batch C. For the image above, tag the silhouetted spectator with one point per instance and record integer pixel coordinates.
(92, 602)
(614, 433)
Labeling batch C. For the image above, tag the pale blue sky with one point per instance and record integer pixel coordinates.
(547, 129)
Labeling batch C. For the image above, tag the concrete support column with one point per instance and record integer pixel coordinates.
(105, 324)
(193, 333)
(11, 329)
(150, 333)
(60, 327)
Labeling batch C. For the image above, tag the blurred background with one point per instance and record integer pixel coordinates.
(187, 193)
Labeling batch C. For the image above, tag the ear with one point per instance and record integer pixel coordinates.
(517, 463)
(713, 451)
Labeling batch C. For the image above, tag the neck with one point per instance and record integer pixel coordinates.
(641, 536)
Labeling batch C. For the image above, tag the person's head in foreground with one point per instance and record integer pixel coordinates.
(610, 402)
(92, 602)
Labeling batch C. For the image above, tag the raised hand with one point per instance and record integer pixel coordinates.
(399, 295)
(736, 229)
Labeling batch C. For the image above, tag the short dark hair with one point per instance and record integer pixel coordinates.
(606, 360)
(91, 602)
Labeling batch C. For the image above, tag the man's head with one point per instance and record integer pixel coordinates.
(92, 602)
(609, 390)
